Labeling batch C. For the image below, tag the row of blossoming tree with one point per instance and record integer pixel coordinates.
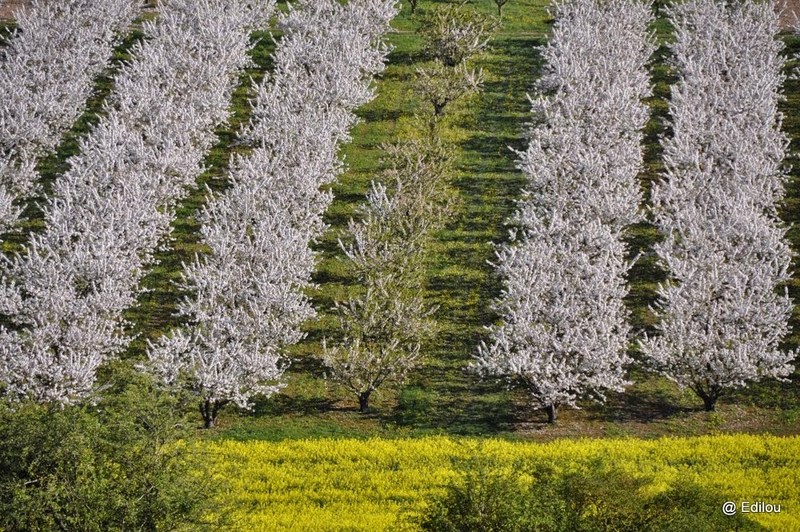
(110, 211)
(565, 331)
(723, 316)
(64, 298)
(247, 298)
(47, 75)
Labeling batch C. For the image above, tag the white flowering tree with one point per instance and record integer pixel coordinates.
(564, 331)
(384, 325)
(247, 299)
(454, 35)
(47, 71)
(65, 297)
(725, 250)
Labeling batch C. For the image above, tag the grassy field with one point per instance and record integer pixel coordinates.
(440, 397)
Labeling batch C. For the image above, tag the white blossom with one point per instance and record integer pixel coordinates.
(47, 73)
(725, 250)
(113, 207)
(565, 332)
(247, 297)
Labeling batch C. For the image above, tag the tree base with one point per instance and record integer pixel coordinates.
(209, 410)
(709, 399)
(363, 402)
(552, 413)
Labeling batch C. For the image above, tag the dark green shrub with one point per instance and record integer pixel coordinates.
(115, 465)
(487, 501)
(593, 500)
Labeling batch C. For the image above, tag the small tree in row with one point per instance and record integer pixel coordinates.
(440, 85)
(500, 4)
(384, 326)
(454, 35)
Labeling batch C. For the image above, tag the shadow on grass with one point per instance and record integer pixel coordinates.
(282, 404)
(405, 57)
(437, 409)
(662, 78)
(771, 393)
(503, 102)
(373, 115)
(638, 405)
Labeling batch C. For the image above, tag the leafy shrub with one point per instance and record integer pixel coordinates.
(487, 498)
(116, 465)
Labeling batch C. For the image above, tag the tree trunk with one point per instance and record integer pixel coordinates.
(710, 403)
(709, 399)
(363, 401)
(552, 413)
(209, 410)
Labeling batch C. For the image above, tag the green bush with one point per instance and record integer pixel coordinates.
(536, 498)
(114, 465)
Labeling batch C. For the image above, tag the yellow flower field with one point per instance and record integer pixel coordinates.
(382, 484)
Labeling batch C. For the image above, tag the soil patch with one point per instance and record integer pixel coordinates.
(9, 7)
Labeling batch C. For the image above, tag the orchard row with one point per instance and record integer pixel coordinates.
(565, 332)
